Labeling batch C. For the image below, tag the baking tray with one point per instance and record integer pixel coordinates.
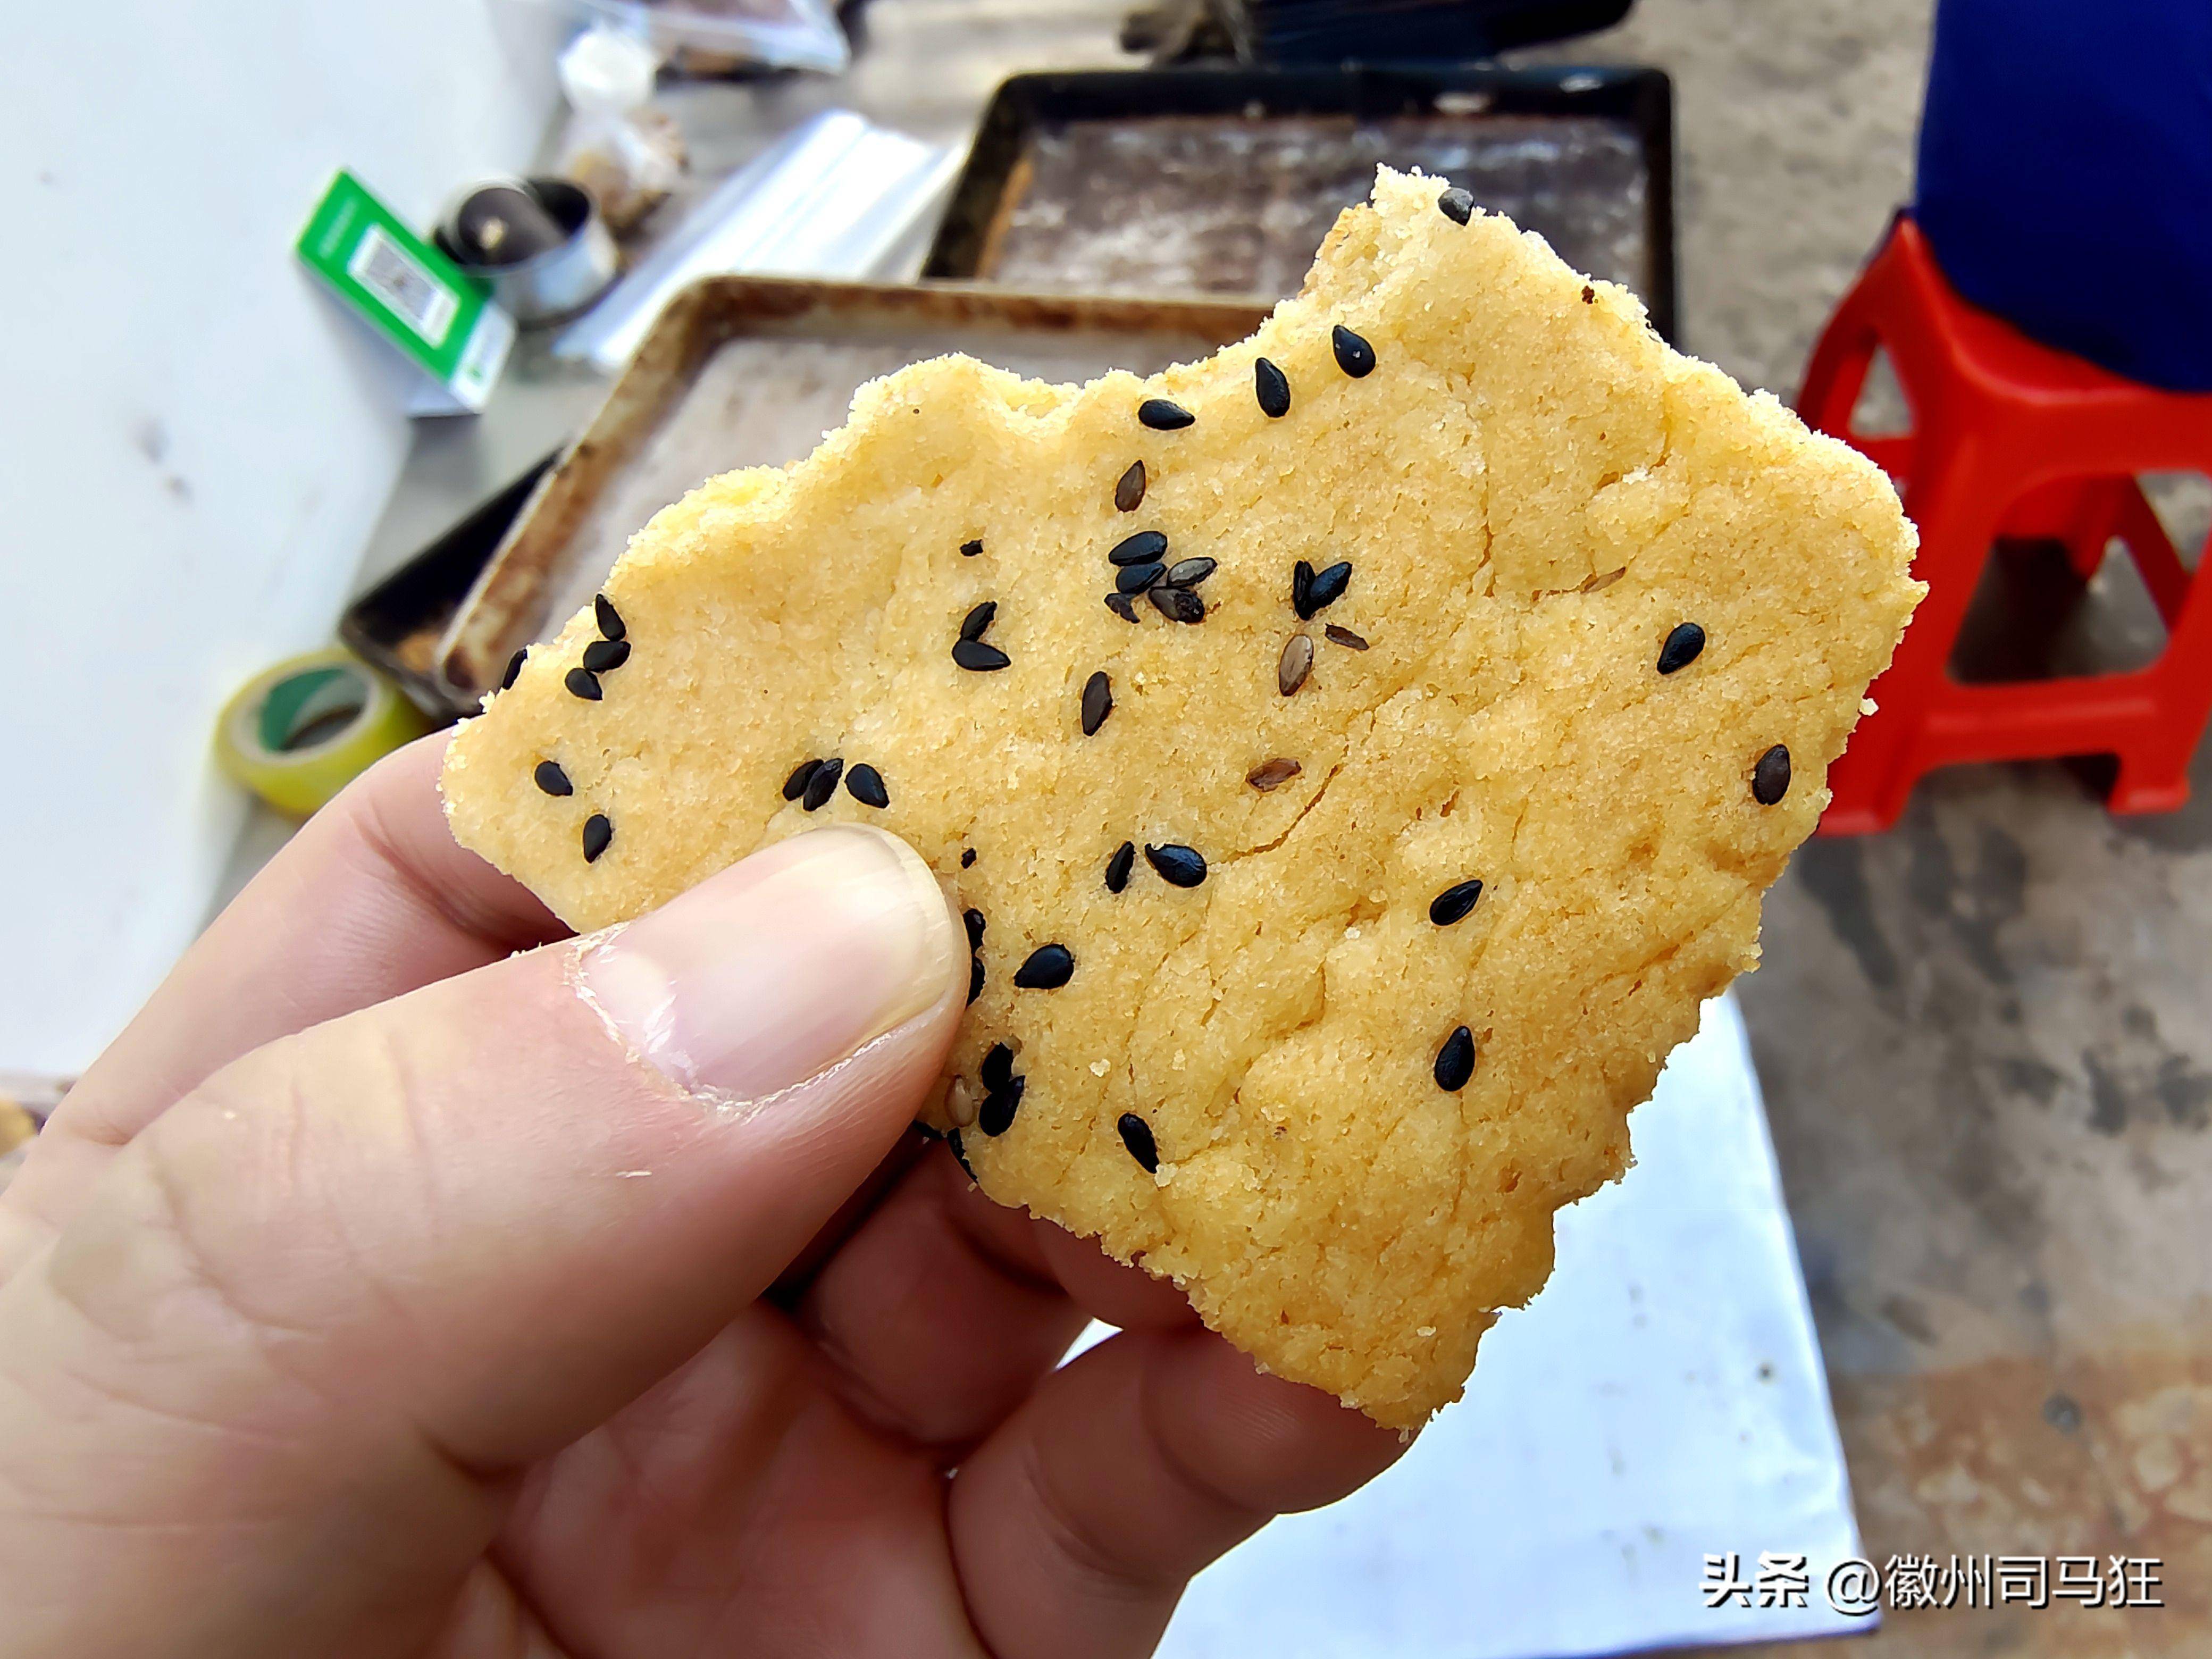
(750, 371)
(399, 625)
(1225, 180)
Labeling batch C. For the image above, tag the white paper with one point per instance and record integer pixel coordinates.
(1661, 1399)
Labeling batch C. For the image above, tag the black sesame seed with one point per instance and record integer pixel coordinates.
(514, 668)
(979, 658)
(997, 1070)
(599, 830)
(973, 625)
(610, 619)
(996, 1114)
(1272, 388)
(1770, 779)
(1119, 866)
(968, 858)
(1049, 968)
(1122, 606)
(1454, 903)
(1136, 578)
(801, 775)
(1328, 586)
(960, 1152)
(582, 682)
(1457, 205)
(1353, 354)
(1098, 701)
(1345, 637)
(552, 779)
(1162, 415)
(1143, 548)
(1681, 648)
(821, 785)
(1129, 490)
(1294, 665)
(1589, 294)
(1189, 573)
(969, 549)
(1178, 604)
(603, 656)
(972, 919)
(974, 979)
(865, 784)
(1302, 574)
(1456, 1061)
(1137, 1136)
(1179, 865)
(1273, 774)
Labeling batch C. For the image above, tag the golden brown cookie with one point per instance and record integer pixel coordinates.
(1360, 754)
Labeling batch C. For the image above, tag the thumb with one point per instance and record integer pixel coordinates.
(316, 1309)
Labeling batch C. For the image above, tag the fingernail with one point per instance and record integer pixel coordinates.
(781, 965)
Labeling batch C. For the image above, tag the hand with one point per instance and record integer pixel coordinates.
(379, 1292)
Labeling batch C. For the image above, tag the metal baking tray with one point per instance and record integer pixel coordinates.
(1225, 180)
(749, 371)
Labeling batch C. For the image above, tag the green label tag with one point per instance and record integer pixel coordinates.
(410, 292)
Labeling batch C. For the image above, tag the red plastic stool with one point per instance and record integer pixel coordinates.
(2011, 439)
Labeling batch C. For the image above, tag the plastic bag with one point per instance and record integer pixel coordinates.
(627, 153)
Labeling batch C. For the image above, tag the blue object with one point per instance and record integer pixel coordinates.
(2066, 175)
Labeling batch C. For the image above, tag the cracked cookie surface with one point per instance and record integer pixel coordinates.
(1241, 1012)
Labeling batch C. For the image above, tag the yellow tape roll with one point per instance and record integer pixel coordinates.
(297, 733)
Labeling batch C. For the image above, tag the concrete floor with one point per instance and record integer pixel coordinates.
(1794, 129)
(1985, 1037)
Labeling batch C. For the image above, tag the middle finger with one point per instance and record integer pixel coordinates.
(938, 1315)
(943, 1309)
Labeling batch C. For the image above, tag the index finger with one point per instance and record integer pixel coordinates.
(372, 899)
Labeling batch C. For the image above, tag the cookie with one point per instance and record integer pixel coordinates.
(1358, 754)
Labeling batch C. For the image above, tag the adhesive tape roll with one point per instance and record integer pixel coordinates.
(297, 733)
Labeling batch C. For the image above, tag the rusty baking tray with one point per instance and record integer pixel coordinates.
(746, 371)
(1225, 180)
(399, 623)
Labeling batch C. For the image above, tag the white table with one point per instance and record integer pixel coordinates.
(1661, 1399)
